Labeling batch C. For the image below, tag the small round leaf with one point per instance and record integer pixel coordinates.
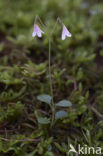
(44, 98)
(43, 120)
(61, 114)
(64, 103)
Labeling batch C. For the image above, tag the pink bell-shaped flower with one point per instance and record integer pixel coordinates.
(37, 31)
(65, 32)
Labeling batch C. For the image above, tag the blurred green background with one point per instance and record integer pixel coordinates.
(77, 69)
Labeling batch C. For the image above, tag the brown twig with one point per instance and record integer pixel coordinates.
(21, 140)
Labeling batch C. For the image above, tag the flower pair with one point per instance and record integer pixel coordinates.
(38, 32)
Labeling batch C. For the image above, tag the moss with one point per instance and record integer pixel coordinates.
(76, 69)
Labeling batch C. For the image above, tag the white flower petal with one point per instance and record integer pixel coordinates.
(39, 33)
(69, 34)
(63, 36)
(65, 32)
(33, 34)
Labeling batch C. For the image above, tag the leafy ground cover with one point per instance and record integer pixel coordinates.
(77, 73)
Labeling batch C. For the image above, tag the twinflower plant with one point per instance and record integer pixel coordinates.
(49, 99)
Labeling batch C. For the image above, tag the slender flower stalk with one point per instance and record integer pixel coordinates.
(51, 85)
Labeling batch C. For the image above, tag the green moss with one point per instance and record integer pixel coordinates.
(77, 74)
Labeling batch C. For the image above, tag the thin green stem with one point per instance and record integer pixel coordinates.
(37, 17)
(51, 84)
(58, 20)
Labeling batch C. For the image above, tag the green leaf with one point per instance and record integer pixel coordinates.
(64, 103)
(44, 98)
(61, 114)
(43, 120)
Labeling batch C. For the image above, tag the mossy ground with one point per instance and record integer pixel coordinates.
(77, 69)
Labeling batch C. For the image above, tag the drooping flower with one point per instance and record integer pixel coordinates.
(65, 32)
(37, 31)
